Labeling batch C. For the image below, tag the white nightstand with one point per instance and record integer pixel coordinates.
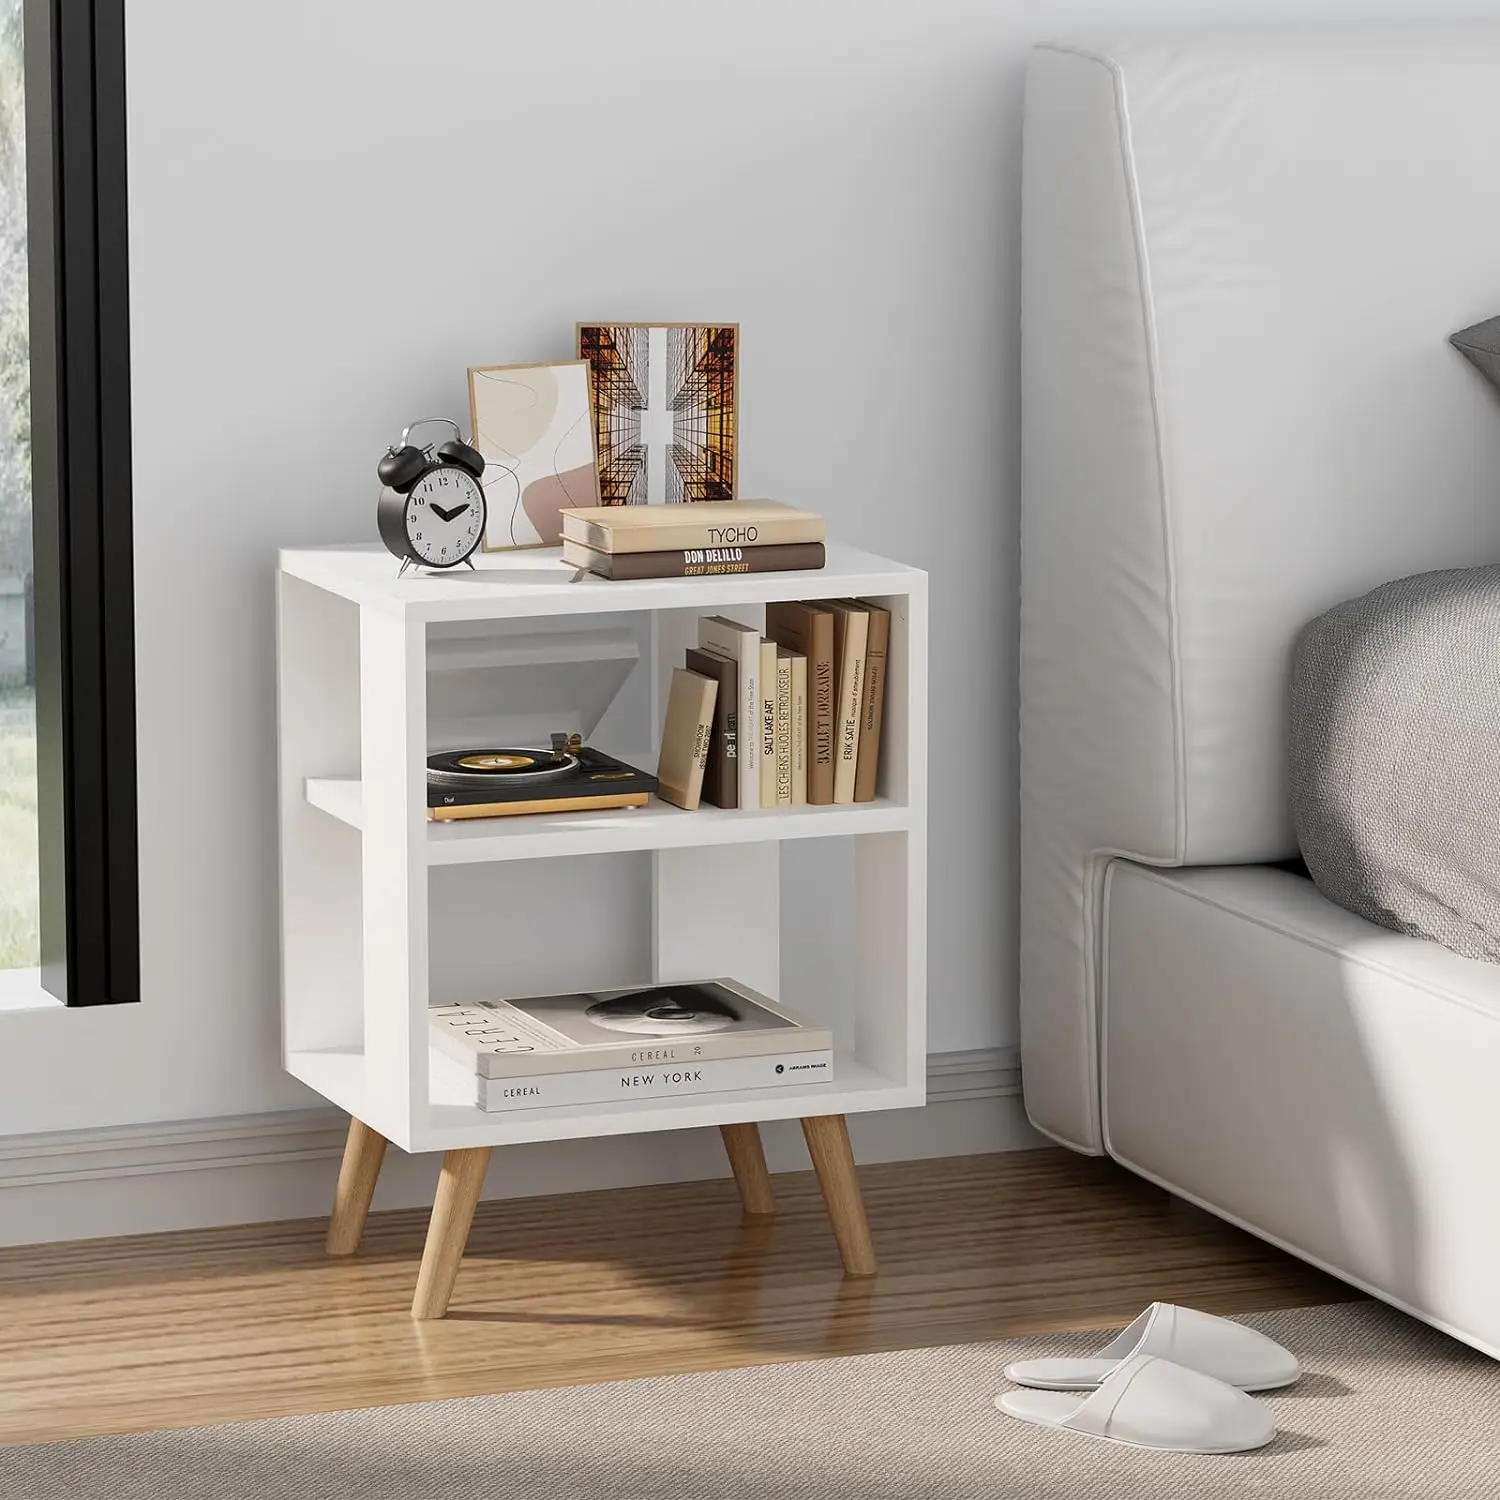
(385, 912)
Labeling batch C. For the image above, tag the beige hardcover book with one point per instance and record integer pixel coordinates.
(808, 629)
(872, 705)
(685, 738)
(851, 628)
(766, 719)
(783, 727)
(799, 730)
(704, 523)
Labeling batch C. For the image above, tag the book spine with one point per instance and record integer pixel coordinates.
(459, 1047)
(697, 562)
(771, 531)
(634, 1058)
(799, 731)
(685, 738)
(872, 708)
(625, 1086)
(766, 725)
(851, 689)
(471, 1046)
(721, 777)
(823, 691)
(784, 1042)
(783, 727)
(743, 648)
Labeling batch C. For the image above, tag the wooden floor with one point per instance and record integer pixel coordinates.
(186, 1329)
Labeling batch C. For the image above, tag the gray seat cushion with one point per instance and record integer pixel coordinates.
(1395, 756)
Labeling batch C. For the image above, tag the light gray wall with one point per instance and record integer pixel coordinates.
(337, 205)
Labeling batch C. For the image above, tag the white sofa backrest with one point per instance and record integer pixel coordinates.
(1242, 256)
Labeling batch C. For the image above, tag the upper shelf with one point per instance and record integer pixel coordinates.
(656, 826)
(520, 585)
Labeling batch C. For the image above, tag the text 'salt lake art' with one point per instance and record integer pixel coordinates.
(532, 425)
(664, 410)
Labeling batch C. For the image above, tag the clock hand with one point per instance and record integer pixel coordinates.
(441, 514)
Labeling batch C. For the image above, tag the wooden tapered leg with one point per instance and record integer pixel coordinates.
(748, 1159)
(833, 1160)
(448, 1229)
(364, 1151)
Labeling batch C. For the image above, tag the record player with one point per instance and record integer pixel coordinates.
(495, 701)
(570, 777)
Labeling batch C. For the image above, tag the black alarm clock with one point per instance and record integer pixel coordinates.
(431, 511)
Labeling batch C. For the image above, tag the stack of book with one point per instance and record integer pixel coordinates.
(692, 541)
(609, 1046)
(787, 718)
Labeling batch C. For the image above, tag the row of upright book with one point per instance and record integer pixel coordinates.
(782, 719)
(702, 539)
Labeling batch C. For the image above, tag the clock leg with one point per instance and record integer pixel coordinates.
(748, 1159)
(364, 1151)
(448, 1229)
(833, 1160)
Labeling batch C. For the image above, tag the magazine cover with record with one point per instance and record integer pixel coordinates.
(605, 1029)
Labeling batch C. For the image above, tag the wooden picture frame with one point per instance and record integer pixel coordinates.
(534, 427)
(652, 446)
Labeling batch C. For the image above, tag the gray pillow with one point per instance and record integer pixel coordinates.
(1481, 344)
(1395, 756)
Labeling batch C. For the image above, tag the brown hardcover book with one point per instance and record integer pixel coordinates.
(799, 730)
(684, 740)
(872, 706)
(695, 562)
(721, 775)
(851, 628)
(808, 630)
(705, 523)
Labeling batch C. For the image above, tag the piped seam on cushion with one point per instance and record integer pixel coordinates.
(1098, 860)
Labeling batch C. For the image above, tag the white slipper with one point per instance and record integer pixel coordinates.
(1230, 1352)
(1151, 1403)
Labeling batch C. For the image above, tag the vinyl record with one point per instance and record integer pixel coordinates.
(675, 1010)
(484, 768)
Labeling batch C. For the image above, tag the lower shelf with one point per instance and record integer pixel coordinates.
(453, 1123)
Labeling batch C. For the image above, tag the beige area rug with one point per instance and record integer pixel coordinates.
(1387, 1409)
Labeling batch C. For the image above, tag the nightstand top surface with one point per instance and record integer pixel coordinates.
(536, 582)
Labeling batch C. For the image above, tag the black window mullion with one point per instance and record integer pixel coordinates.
(81, 496)
(116, 537)
(84, 714)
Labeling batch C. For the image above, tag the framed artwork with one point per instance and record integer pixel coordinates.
(665, 410)
(533, 427)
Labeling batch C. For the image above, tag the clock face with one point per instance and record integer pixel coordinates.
(444, 516)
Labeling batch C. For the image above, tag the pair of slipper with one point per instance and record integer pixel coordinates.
(1176, 1379)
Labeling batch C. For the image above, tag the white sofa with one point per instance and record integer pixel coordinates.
(1243, 254)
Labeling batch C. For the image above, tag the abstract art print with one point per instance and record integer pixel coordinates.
(533, 427)
(664, 410)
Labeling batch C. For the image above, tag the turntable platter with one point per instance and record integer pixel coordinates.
(473, 770)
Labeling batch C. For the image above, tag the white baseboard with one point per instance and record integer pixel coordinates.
(195, 1174)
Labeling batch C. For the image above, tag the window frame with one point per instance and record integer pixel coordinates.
(78, 267)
